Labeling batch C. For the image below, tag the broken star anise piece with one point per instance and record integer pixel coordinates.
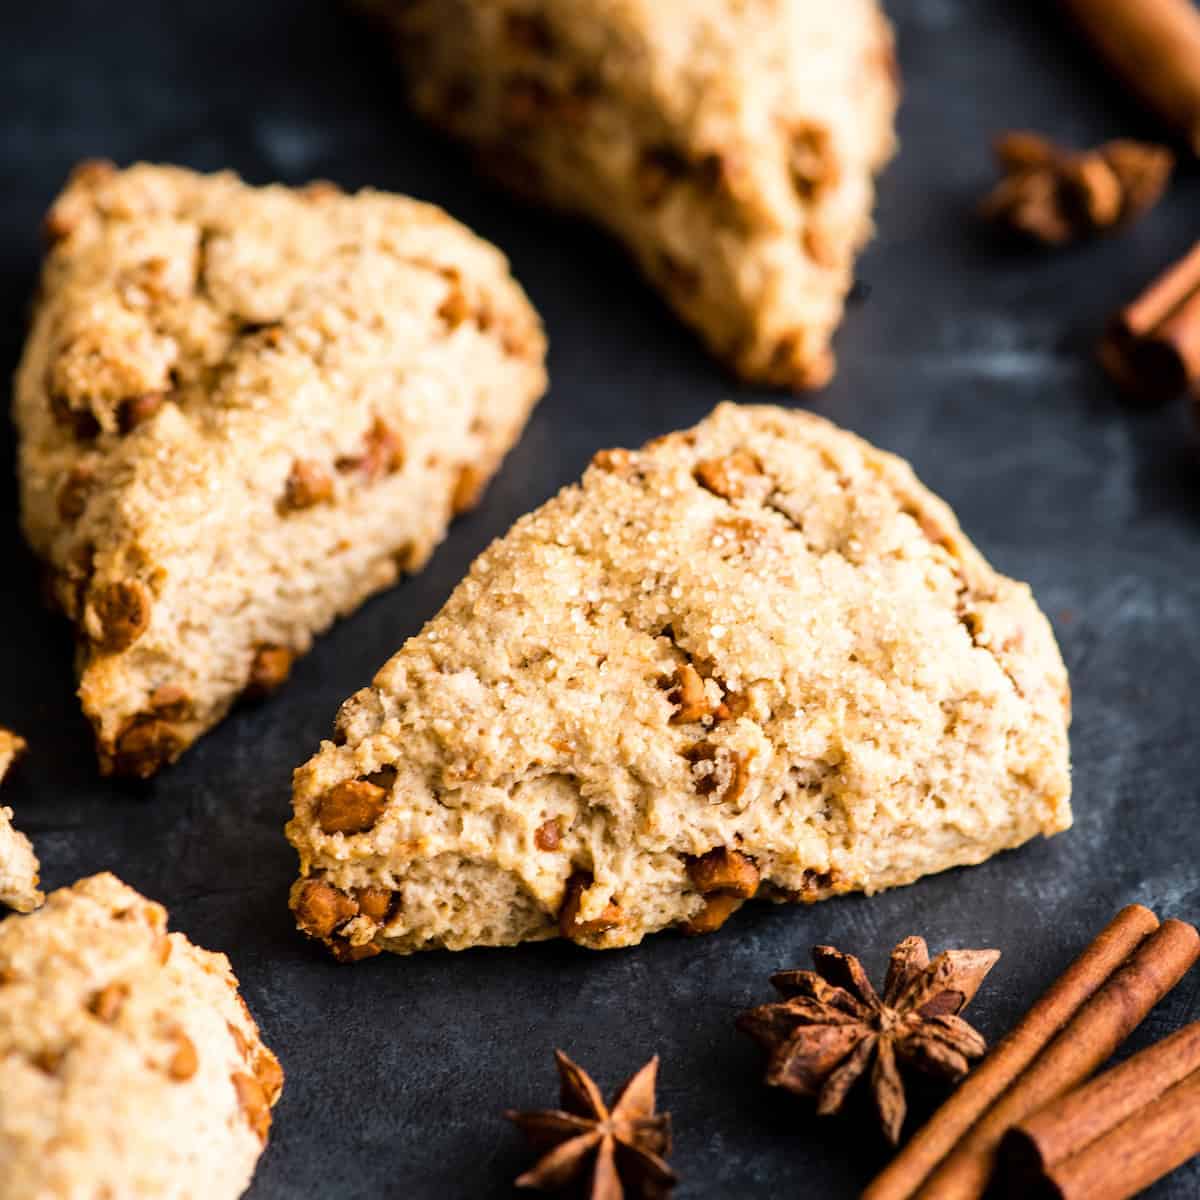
(832, 1028)
(600, 1153)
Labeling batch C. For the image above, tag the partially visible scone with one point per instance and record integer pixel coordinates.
(242, 411)
(731, 146)
(18, 864)
(753, 658)
(129, 1065)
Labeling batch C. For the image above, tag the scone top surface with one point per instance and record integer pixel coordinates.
(730, 145)
(761, 635)
(129, 1065)
(242, 410)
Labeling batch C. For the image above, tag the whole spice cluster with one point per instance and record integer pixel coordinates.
(1051, 195)
(1101, 998)
(1025, 1123)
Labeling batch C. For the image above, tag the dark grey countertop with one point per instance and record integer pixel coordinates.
(972, 360)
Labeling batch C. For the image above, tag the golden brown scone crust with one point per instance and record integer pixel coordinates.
(18, 864)
(757, 656)
(129, 1065)
(731, 144)
(242, 411)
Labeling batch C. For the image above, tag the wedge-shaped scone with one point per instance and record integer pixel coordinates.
(754, 658)
(242, 411)
(129, 1065)
(18, 864)
(731, 146)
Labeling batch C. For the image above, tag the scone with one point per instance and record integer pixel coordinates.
(18, 864)
(753, 658)
(732, 147)
(242, 411)
(129, 1065)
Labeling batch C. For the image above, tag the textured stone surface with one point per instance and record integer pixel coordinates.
(972, 361)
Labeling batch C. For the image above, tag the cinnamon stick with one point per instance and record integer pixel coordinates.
(1152, 346)
(1150, 1144)
(1070, 1125)
(1099, 1027)
(1111, 947)
(1153, 46)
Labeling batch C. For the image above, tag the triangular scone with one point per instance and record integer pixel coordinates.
(731, 146)
(19, 866)
(242, 411)
(756, 657)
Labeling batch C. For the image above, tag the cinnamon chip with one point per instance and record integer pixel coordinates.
(171, 701)
(184, 1061)
(269, 670)
(137, 410)
(254, 1105)
(351, 807)
(385, 450)
(48, 1061)
(467, 488)
(80, 421)
(239, 1039)
(724, 870)
(146, 744)
(320, 908)
(269, 1073)
(820, 247)
(375, 902)
(106, 1004)
(117, 615)
(731, 765)
(73, 495)
(812, 160)
(348, 952)
(307, 484)
(688, 695)
(728, 476)
(548, 835)
(569, 924)
(718, 908)
(735, 704)
(456, 308)
(383, 453)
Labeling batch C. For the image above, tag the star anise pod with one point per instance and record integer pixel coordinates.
(832, 1027)
(602, 1153)
(1053, 195)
